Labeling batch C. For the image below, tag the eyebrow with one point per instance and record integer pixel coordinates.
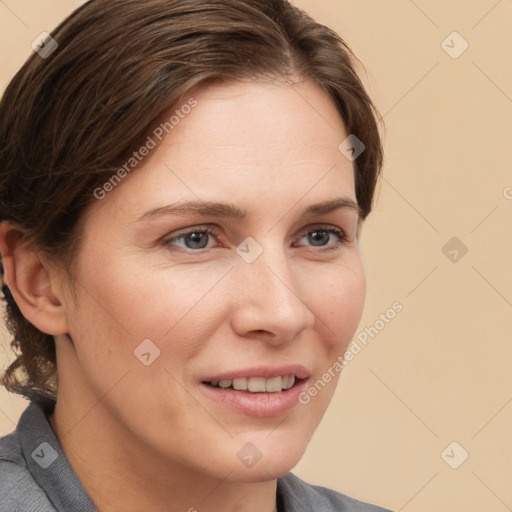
(230, 210)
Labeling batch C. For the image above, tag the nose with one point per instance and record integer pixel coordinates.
(269, 301)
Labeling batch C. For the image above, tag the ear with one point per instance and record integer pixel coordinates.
(34, 285)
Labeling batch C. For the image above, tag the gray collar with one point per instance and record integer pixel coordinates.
(47, 462)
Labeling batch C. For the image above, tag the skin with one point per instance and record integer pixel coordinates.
(145, 437)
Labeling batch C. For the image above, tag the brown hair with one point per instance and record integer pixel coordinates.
(68, 121)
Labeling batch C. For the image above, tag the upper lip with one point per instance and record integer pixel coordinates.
(266, 372)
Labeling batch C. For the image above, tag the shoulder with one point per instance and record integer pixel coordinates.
(298, 496)
(18, 489)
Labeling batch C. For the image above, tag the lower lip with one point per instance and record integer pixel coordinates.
(259, 405)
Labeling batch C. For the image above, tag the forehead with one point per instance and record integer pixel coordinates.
(263, 117)
(245, 139)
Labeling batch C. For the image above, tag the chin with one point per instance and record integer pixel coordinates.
(271, 462)
(262, 471)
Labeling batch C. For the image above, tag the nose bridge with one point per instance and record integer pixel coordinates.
(269, 296)
(272, 273)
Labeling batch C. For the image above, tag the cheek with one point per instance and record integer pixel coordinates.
(339, 304)
(122, 303)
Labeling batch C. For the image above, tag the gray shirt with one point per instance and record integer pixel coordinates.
(35, 476)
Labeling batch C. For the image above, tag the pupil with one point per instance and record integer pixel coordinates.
(195, 238)
(313, 237)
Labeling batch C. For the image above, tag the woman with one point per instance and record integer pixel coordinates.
(182, 189)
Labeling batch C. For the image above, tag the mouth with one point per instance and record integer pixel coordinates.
(259, 392)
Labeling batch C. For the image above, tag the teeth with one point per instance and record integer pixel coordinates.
(258, 384)
(290, 383)
(275, 384)
(240, 384)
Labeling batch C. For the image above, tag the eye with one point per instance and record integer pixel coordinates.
(199, 238)
(194, 239)
(320, 236)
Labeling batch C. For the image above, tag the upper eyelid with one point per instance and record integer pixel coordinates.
(210, 227)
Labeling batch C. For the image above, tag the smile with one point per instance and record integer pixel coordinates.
(260, 392)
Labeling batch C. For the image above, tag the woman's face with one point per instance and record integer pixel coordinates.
(271, 291)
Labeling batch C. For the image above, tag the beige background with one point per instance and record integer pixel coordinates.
(440, 371)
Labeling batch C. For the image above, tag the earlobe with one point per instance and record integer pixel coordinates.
(30, 281)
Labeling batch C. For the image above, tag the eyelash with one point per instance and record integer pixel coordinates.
(340, 234)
